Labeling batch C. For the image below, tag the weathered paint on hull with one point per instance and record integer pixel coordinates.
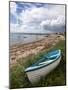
(35, 76)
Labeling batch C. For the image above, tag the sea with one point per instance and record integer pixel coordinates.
(21, 38)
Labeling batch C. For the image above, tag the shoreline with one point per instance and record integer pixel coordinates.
(33, 48)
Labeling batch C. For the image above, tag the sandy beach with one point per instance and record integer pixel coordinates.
(23, 50)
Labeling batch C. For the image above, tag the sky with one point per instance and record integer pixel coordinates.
(26, 17)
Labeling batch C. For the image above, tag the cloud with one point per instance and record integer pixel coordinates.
(40, 19)
(13, 7)
(54, 24)
(14, 27)
(14, 17)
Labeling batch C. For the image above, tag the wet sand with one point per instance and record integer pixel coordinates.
(23, 50)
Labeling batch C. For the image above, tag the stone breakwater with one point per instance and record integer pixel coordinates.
(23, 50)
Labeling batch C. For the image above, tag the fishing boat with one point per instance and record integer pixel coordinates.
(42, 67)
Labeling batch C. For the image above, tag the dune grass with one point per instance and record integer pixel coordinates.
(18, 78)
